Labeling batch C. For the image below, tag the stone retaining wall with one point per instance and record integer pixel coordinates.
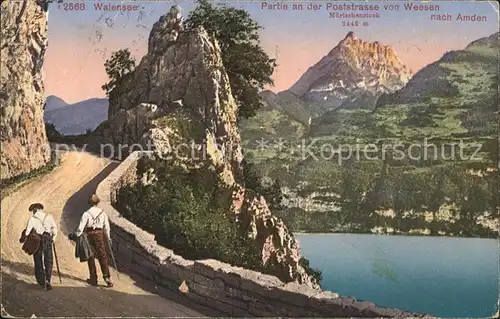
(231, 290)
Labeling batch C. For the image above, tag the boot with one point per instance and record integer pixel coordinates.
(48, 286)
(109, 283)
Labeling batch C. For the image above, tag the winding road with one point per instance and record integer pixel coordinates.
(64, 192)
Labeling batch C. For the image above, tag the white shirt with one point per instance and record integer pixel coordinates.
(94, 218)
(41, 223)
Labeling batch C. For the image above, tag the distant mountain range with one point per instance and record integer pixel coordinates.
(457, 93)
(77, 118)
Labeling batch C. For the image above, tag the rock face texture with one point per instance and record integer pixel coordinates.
(22, 134)
(280, 251)
(180, 93)
(181, 74)
(352, 74)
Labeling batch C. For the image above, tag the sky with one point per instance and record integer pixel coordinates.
(81, 41)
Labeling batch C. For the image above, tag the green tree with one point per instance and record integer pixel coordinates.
(51, 131)
(273, 193)
(249, 68)
(275, 196)
(314, 272)
(118, 67)
(437, 196)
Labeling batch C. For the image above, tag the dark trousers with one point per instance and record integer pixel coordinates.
(43, 261)
(97, 242)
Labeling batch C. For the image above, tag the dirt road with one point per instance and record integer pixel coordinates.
(64, 193)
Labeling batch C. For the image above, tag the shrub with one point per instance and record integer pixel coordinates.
(273, 194)
(313, 272)
(188, 211)
(52, 132)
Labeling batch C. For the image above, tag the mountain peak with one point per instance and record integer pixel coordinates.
(350, 35)
(53, 102)
(367, 50)
(353, 65)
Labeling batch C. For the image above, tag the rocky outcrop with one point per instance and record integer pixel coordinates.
(181, 73)
(180, 94)
(279, 250)
(352, 74)
(317, 201)
(24, 40)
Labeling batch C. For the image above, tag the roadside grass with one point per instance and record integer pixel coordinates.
(12, 184)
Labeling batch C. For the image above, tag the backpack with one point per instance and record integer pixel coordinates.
(31, 243)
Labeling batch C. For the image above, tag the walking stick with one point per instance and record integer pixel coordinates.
(57, 262)
(112, 257)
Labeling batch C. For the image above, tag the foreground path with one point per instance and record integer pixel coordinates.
(64, 192)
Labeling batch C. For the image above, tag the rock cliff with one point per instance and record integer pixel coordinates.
(180, 93)
(24, 39)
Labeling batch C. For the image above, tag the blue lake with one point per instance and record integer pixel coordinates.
(441, 276)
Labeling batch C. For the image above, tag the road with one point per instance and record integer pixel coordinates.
(64, 192)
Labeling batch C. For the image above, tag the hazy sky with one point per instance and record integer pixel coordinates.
(80, 41)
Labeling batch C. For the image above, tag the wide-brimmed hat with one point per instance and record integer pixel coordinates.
(35, 206)
(94, 199)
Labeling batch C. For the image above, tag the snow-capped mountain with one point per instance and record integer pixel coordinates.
(74, 119)
(352, 74)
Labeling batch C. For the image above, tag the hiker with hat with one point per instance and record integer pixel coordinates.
(39, 235)
(95, 223)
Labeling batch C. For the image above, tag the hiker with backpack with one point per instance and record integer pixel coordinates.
(38, 239)
(94, 223)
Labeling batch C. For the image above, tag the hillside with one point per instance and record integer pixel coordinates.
(446, 115)
(454, 96)
(53, 102)
(78, 118)
(351, 76)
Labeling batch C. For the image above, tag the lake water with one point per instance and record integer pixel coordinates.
(441, 276)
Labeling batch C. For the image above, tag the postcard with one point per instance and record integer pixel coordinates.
(250, 158)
